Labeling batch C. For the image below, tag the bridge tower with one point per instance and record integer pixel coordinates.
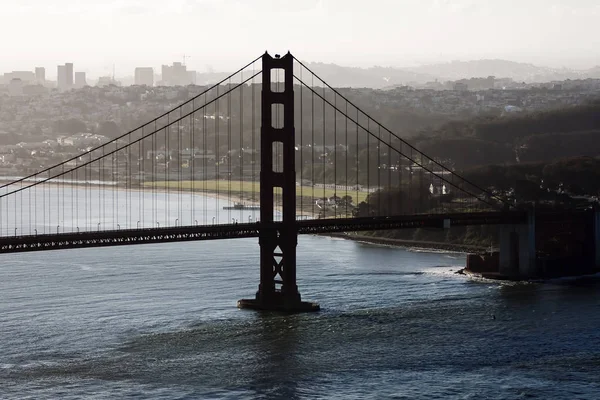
(277, 290)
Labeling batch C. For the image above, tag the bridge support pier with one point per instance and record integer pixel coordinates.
(596, 241)
(517, 249)
(278, 239)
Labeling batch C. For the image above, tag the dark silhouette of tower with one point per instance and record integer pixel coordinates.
(278, 239)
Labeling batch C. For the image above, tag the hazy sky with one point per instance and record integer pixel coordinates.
(224, 34)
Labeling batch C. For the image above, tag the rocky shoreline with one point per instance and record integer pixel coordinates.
(473, 252)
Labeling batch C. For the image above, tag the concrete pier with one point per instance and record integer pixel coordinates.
(596, 238)
(517, 249)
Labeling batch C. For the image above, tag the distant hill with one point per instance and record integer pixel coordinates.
(530, 137)
(382, 77)
(503, 69)
(338, 76)
(210, 78)
(593, 73)
(482, 68)
(386, 77)
(374, 77)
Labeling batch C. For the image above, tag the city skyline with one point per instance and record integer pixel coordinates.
(389, 33)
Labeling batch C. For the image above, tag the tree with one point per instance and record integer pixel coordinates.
(70, 126)
(109, 129)
(346, 199)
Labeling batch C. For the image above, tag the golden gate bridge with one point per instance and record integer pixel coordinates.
(272, 136)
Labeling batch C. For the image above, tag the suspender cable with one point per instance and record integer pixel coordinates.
(369, 165)
(335, 151)
(241, 145)
(301, 148)
(253, 133)
(389, 174)
(312, 146)
(115, 191)
(204, 162)
(178, 160)
(346, 159)
(153, 141)
(357, 159)
(324, 155)
(378, 169)
(217, 154)
(229, 149)
(179, 166)
(191, 165)
(128, 182)
(167, 172)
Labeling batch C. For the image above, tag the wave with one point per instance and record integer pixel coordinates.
(434, 251)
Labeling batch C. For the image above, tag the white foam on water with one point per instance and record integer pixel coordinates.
(445, 271)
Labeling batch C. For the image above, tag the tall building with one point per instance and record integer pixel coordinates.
(69, 70)
(40, 75)
(61, 77)
(80, 80)
(65, 76)
(144, 76)
(165, 75)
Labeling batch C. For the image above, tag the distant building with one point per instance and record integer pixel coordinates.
(15, 87)
(34, 90)
(64, 78)
(61, 77)
(461, 87)
(40, 75)
(26, 77)
(80, 80)
(144, 76)
(191, 77)
(177, 75)
(107, 81)
(69, 72)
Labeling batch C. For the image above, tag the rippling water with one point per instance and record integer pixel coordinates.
(159, 321)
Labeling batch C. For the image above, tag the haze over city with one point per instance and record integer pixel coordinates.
(219, 35)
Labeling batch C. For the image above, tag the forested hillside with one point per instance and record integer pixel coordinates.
(536, 137)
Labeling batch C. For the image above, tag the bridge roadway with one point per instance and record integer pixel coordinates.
(25, 243)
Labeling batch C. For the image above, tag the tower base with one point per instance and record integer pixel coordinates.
(278, 304)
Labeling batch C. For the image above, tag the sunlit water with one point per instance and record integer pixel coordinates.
(61, 208)
(159, 321)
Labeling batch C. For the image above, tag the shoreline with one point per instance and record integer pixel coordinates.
(450, 247)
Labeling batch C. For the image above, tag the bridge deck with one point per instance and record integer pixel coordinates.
(120, 237)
